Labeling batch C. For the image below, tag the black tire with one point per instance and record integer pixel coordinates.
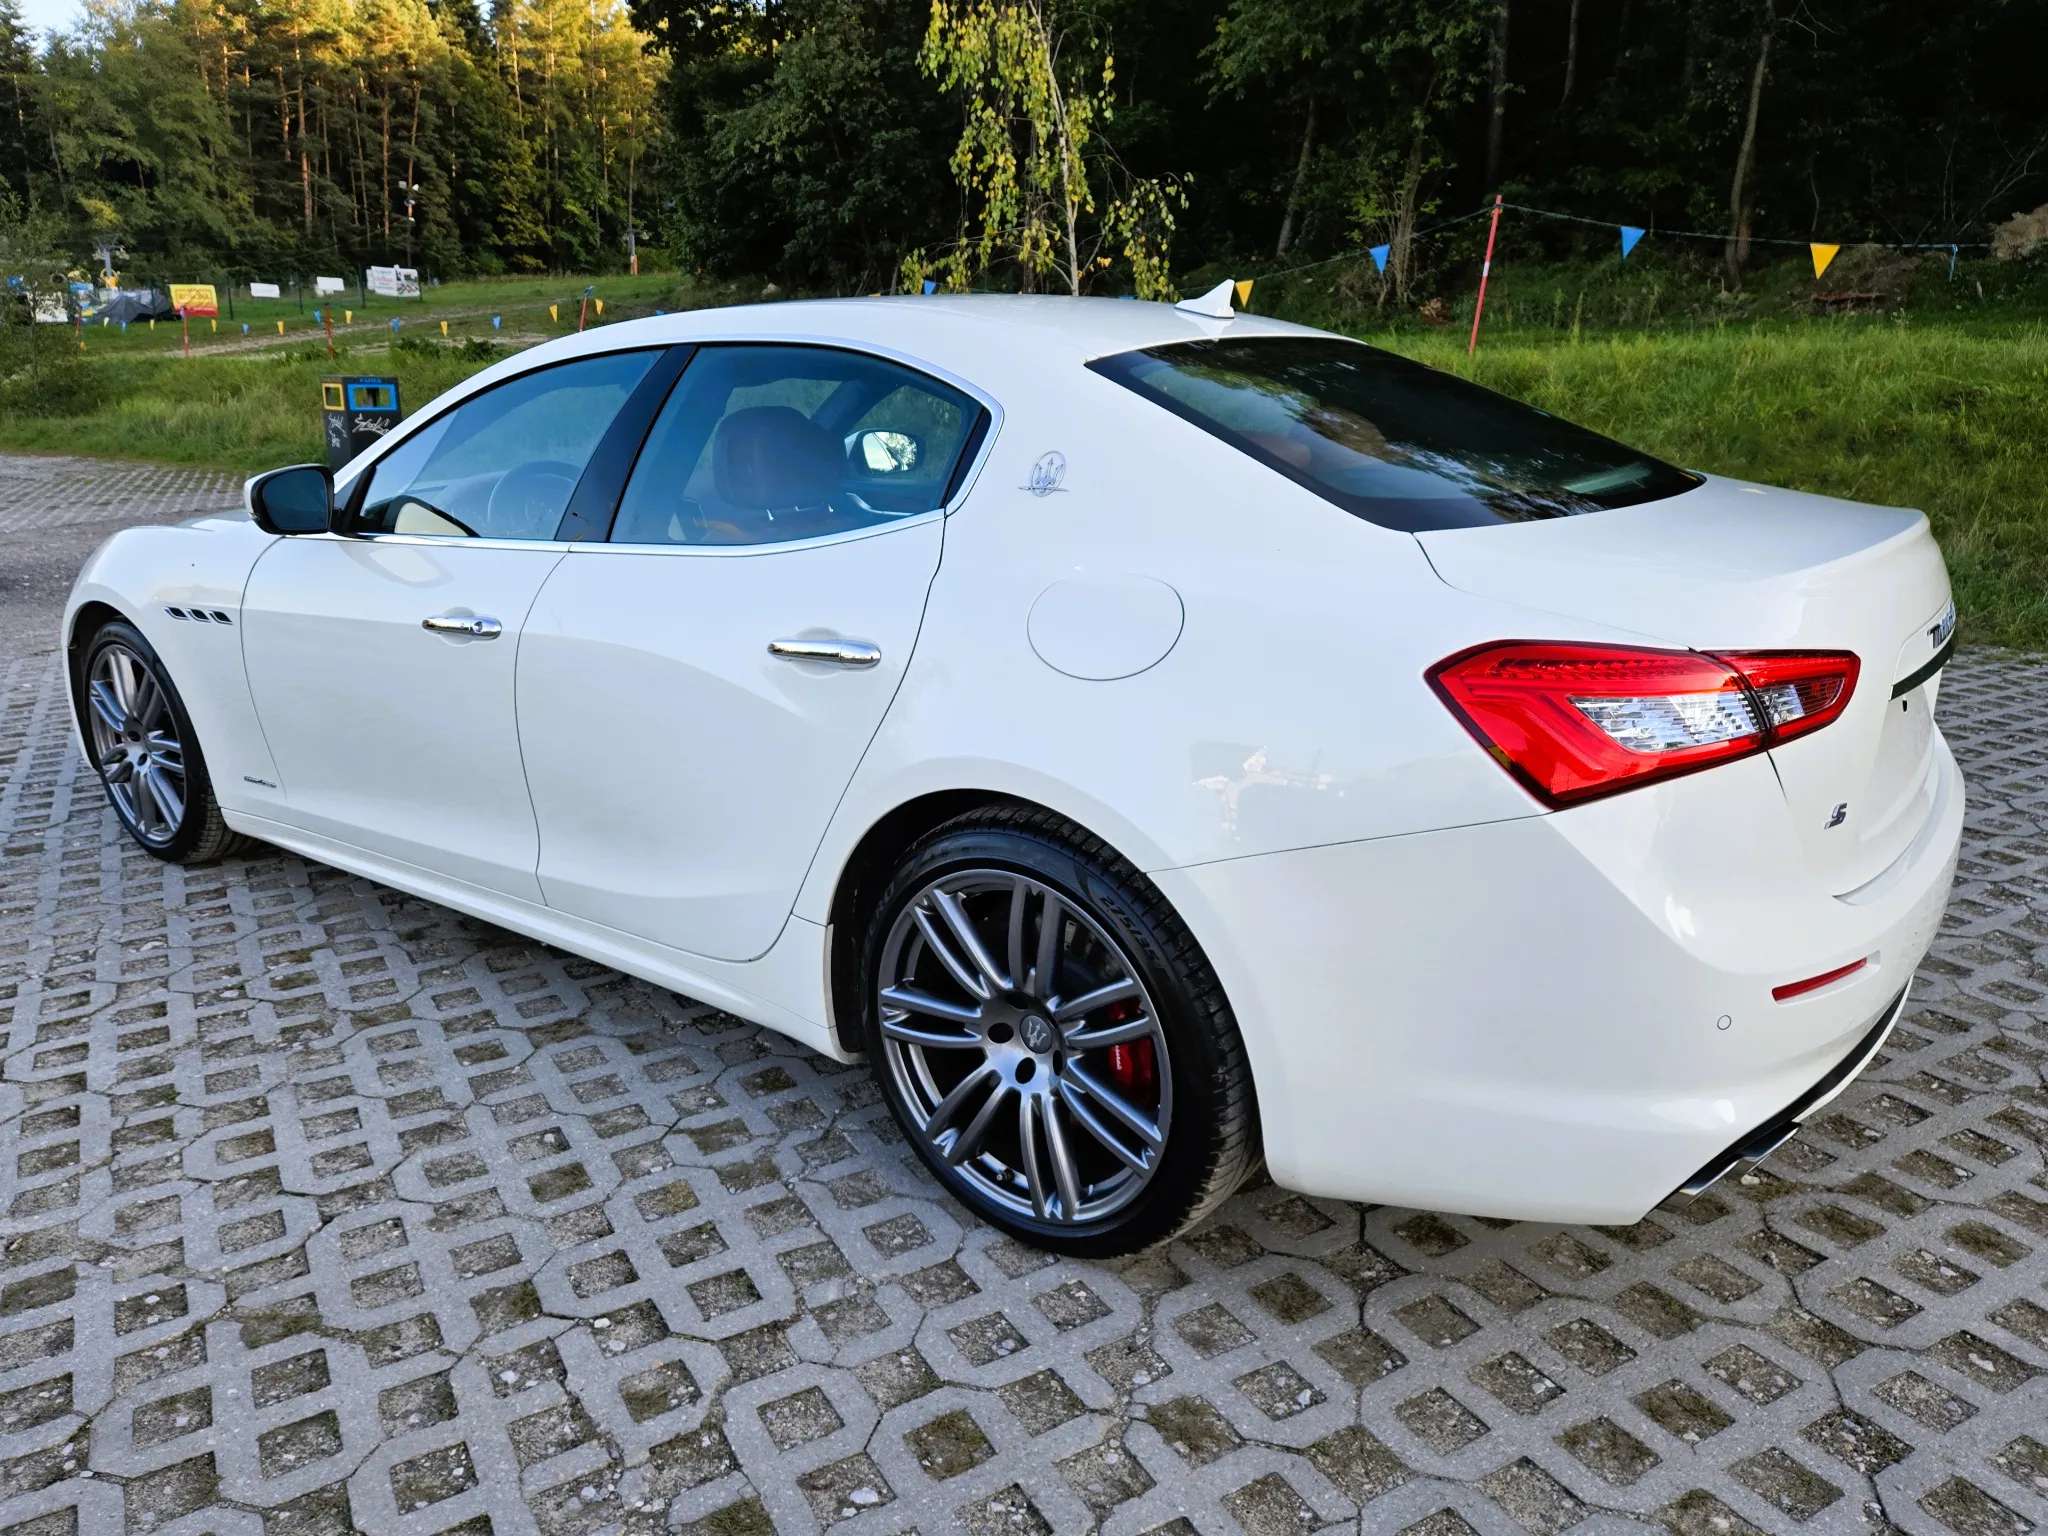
(1211, 1139)
(201, 834)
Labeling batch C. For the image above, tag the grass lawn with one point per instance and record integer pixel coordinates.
(1945, 412)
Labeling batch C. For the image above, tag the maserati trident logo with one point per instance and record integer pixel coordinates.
(1049, 474)
(1036, 1032)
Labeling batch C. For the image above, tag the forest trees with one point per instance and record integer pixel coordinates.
(262, 136)
(1015, 143)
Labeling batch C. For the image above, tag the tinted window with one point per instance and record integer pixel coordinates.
(1394, 442)
(503, 464)
(760, 445)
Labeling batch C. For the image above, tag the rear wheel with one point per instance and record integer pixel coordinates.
(1052, 1039)
(140, 742)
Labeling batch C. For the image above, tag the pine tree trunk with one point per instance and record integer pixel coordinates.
(1498, 97)
(1738, 208)
(1571, 54)
(1308, 144)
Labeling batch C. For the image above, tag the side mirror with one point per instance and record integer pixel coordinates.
(295, 500)
(883, 452)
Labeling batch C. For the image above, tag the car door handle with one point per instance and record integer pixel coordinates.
(476, 627)
(844, 653)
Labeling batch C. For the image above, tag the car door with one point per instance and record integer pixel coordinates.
(695, 692)
(381, 659)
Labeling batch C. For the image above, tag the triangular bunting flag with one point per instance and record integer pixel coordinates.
(930, 287)
(1379, 256)
(1629, 236)
(1822, 255)
(1244, 292)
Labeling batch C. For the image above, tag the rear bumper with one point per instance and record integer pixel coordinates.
(1561, 1017)
(1750, 1149)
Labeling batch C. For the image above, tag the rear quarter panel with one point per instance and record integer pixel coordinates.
(1290, 711)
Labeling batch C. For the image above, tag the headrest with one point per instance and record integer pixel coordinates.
(770, 458)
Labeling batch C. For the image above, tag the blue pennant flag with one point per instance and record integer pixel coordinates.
(1379, 256)
(394, 327)
(245, 327)
(930, 287)
(498, 321)
(1629, 236)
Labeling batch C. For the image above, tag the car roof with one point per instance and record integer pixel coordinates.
(954, 331)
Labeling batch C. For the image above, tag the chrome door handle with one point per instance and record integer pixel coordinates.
(463, 624)
(844, 653)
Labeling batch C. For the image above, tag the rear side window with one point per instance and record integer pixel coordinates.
(768, 444)
(1390, 440)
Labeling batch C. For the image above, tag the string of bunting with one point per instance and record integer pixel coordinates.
(1632, 234)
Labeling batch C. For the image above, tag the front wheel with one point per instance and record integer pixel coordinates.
(1052, 1039)
(140, 742)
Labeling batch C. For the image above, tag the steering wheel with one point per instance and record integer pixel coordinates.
(529, 499)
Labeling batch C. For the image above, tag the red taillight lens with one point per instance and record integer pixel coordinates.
(1800, 691)
(1575, 721)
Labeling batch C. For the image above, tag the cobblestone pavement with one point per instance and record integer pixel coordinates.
(55, 510)
(327, 1210)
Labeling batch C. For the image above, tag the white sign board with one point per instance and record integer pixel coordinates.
(263, 291)
(50, 309)
(395, 282)
(329, 285)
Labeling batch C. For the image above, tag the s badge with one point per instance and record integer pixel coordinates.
(1838, 815)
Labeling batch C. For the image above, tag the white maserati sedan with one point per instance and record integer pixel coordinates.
(1154, 740)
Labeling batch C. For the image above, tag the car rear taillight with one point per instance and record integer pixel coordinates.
(1575, 721)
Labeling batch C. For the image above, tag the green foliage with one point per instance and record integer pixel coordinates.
(264, 138)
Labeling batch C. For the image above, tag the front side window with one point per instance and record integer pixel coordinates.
(504, 463)
(1389, 440)
(765, 444)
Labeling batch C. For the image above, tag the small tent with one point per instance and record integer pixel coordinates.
(137, 304)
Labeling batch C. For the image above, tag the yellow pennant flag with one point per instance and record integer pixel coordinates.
(444, 327)
(600, 305)
(1822, 255)
(1244, 292)
(554, 312)
(348, 317)
(152, 322)
(213, 325)
(280, 327)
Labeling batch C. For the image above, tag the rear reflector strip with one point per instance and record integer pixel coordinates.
(1793, 989)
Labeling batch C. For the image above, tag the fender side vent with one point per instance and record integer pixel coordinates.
(221, 618)
(177, 613)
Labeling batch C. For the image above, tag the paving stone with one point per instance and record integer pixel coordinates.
(367, 1087)
(1785, 1483)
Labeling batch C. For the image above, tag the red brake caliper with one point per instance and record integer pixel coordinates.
(1133, 1069)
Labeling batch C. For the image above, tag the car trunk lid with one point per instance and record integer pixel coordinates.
(1732, 566)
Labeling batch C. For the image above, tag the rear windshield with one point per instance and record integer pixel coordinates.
(1387, 439)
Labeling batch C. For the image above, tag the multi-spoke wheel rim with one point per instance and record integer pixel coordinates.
(135, 744)
(1026, 1048)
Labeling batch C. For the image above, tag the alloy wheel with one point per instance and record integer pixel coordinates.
(135, 743)
(1025, 1046)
